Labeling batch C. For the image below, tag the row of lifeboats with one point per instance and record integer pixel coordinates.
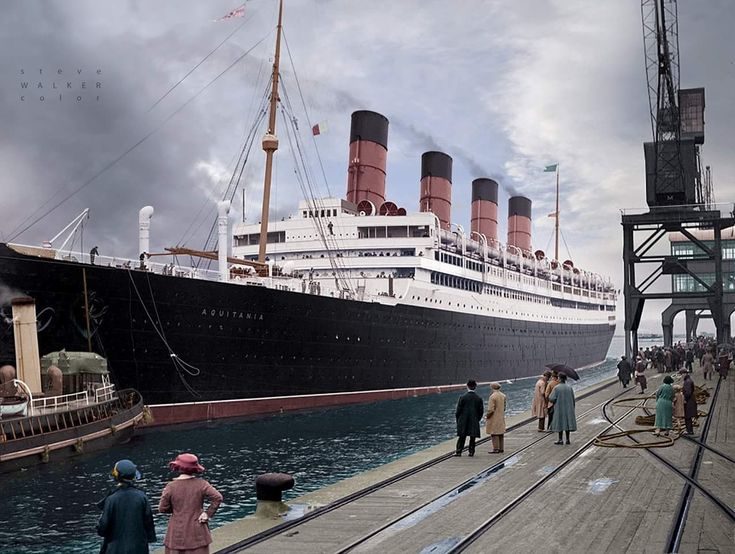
(524, 261)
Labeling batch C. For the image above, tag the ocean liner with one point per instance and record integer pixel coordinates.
(348, 300)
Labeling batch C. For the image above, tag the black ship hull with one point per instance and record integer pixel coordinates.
(182, 340)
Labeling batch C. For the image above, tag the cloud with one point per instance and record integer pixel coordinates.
(503, 88)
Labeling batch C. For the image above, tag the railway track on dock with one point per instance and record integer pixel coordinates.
(490, 522)
(690, 478)
(290, 527)
(691, 483)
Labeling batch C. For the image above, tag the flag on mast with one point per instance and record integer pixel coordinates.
(550, 168)
(237, 12)
(319, 128)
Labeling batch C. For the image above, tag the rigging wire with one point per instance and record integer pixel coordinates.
(112, 163)
(169, 91)
(314, 204)
(565, 244)
(149, 109)
(242, 161)
(306, 112)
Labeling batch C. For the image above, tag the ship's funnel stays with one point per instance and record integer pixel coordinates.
(485, 208)
(436, 186)
(368, 155)
(519, 222)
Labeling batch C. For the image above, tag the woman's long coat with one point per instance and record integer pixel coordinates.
(564, 417)
(126, 522)
(538, 405)
(184, 500)
(664, 406)
(495, 422)
(468, 414)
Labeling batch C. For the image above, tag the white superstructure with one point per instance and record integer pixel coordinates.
(333, 250)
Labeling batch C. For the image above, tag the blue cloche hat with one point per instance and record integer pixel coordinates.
(125, 470)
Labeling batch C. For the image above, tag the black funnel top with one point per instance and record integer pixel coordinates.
(367, 125)
(485, 189)
(519, 205)
(436, 164)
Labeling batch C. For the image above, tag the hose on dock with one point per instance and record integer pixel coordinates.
(662, 440)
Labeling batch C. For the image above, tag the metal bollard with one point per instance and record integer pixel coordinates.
(269, 488)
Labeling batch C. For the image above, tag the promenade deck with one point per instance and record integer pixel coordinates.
(599, 500)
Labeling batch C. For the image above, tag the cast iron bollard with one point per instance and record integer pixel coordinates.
(268, 490)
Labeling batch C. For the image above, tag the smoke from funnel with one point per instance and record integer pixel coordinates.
(422, 140)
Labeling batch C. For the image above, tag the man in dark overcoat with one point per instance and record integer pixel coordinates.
(624, 371)
(468, 414)
(690, 403)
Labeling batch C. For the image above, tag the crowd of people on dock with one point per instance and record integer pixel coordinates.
(676, 400)
(553, 403)
(126, 523)
(553, 399)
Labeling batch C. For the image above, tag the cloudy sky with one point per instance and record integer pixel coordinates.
(504, 87)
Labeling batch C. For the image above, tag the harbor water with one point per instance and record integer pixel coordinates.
(52, 508)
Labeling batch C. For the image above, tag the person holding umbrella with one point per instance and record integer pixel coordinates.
(550, 387)
(562, 400)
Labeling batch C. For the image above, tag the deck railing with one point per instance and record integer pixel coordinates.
(56, 402)
(104, 393)
(53, 403)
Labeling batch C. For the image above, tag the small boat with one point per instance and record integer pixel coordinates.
(12, 405)
(36, 430)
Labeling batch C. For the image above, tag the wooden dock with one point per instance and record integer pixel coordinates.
(537, 495)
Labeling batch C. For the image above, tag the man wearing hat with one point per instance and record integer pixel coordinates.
(624, 371)
(495, 422)
(468, 415)
(126, 522)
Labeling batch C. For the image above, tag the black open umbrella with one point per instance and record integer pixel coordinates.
(565, 369)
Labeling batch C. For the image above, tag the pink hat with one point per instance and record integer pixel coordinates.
(186, 463)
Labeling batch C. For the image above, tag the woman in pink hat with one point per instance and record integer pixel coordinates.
(183, 498)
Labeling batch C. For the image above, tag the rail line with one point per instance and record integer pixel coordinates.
(692, 483)
(677, 529)
(484, 473)
(480, 530)
(288, 525)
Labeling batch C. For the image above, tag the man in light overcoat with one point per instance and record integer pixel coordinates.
(495, 422)
(468, 415)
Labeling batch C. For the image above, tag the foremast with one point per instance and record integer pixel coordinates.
(270, 141)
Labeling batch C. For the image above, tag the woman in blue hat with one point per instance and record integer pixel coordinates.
(126, 522)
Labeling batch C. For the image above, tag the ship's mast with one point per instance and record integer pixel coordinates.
(270, 141)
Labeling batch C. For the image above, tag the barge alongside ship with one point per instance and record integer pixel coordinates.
(350, 299)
